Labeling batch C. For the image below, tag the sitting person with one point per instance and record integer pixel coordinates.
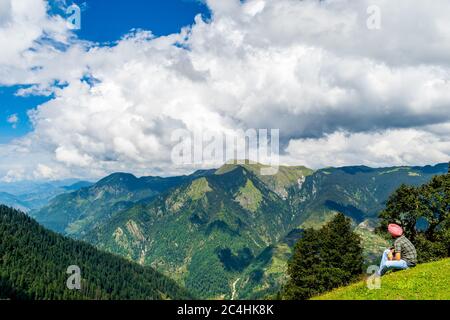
(402, 256)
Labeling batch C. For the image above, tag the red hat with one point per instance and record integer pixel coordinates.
(395, 230)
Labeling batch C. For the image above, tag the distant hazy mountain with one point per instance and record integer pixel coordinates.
(28, 195)
(226, 234)
(34, 262)
(13, 201)
(26, 187)
(78, 185)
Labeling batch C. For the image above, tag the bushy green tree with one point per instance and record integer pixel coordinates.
(324, 259)
(404, 208)
(423, 212)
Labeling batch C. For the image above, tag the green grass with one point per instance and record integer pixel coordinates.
(430, 281)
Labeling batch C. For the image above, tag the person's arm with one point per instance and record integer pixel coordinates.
(398, 256)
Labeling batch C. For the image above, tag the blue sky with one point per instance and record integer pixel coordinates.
(11, 105)
(102, 21)
(106, 20)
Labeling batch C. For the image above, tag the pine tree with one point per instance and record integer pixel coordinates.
(324, 259)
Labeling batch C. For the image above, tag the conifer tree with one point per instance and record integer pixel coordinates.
(324, 259)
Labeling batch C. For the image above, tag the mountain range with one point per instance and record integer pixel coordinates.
(226, 233)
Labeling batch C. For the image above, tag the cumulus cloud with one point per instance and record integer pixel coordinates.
(339, 92)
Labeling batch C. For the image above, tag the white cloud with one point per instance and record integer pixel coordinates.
(44, 172)
(340, 93)
(391, 147)
(13, 175)
(13, 120)
(27, 32)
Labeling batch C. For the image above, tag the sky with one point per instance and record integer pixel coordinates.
(347, 82)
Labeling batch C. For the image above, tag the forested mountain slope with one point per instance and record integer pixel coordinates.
(34, 262)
